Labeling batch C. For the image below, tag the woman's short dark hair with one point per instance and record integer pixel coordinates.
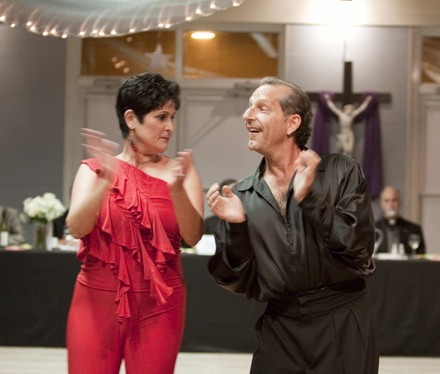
(298, 102)
(144, 93)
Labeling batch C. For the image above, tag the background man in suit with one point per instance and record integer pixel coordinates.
(397, 230)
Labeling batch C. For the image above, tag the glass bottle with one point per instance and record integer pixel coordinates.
(4, 232)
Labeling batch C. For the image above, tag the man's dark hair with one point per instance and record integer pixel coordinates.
(298, 102)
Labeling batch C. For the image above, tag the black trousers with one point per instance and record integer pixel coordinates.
(328, 331)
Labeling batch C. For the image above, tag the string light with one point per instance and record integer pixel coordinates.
(85, 18)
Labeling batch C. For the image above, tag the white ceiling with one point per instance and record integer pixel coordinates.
(369, 12)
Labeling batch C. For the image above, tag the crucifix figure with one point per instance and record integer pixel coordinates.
(346, 117)
(350, 114)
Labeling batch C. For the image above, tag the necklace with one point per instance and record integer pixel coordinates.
(133, 159)
(153, 160)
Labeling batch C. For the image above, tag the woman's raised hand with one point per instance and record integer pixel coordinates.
(98, 146)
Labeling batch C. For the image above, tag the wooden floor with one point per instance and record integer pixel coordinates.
(19, 360)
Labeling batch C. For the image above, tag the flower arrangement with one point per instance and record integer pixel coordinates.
(43, 209)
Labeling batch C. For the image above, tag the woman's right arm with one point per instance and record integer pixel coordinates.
(89, 188)
(88, 192)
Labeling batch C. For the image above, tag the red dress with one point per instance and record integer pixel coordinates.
(129, 298)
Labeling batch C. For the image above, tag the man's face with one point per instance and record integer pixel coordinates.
(264, 118)
(390, 203)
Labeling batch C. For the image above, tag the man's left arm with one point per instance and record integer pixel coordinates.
(347, 222)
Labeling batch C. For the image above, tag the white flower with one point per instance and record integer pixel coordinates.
(43, 208)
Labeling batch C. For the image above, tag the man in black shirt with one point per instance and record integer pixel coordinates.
(298, 234)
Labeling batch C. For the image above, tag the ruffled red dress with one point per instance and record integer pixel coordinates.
(131, 270)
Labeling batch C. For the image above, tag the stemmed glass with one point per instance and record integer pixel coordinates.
(414, 243)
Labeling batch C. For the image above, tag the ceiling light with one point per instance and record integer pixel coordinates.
(202, 35)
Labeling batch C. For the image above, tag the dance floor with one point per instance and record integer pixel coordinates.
(20, 360)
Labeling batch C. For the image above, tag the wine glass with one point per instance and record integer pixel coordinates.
(414, 242)
(379, 239)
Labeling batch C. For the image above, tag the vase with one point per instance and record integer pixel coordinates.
(43, 235)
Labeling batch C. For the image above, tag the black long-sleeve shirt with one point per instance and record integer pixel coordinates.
(325, 239)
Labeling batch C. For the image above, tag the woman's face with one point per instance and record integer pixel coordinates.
(154, 133)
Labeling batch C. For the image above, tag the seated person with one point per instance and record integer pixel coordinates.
(395, 229)
(212, 221)
(10, 217)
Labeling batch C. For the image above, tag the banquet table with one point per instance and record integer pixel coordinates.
(35, 292)
(36, 288)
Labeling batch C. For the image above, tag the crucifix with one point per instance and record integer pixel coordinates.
(347, 96)
(372, 154)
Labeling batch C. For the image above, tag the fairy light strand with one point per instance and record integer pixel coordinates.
(85, 18)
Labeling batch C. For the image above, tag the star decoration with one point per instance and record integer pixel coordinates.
(158, 59)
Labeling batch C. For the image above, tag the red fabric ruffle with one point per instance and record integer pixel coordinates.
(129, 221)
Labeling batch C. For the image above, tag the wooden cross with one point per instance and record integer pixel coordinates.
(372, 159)
(347, 96)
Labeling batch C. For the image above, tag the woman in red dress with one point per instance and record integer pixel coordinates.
(132, 212)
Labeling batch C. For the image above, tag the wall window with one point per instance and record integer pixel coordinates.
(152, 51)
(225, 55)
(431, 59)
(230, 55)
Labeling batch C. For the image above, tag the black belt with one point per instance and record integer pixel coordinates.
(307, 304)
